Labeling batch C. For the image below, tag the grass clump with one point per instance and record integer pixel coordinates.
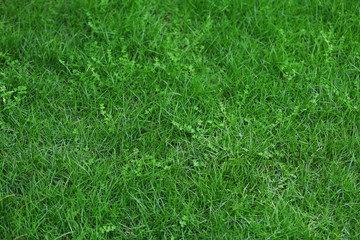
(179, 119)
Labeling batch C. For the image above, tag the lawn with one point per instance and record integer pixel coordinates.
(185, 119)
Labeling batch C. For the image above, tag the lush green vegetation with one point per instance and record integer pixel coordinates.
(179, 119)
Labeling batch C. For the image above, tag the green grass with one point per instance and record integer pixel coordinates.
(179, 119)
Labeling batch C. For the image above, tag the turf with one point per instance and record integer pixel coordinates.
(179, 119)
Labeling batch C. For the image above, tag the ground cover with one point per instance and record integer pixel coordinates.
(179, 119)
